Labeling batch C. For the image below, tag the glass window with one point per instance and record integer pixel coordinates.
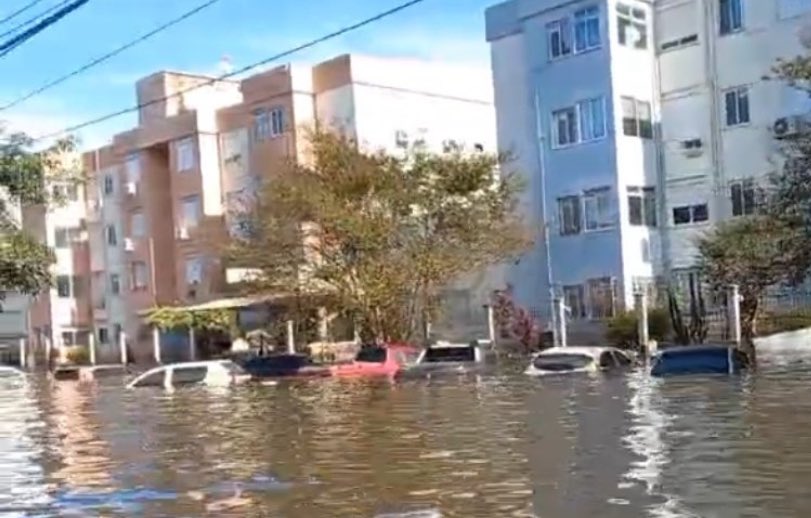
(642, 206)
(103, 335)
(690, 214)
(276, 122)
(736, 104)
(559, 35)
(63, 286)
(133, 168)
(67, 338)
(112, 235)
(731, 16)
(194, 270)
(570, 215)
(602, 296)
(371, 354)
(137, 224)
(184, 151)
(607, 360)
(191, 211)
(115, 284)
(61, 237)
(597, 209)
(632, 26)
(156, 379)
(587, 29)
(636, 118)
(450, 354)
(592, 119)
(743, 197)
(574, 298)
(268, 123)
(562, 362)
(138, 275)
(565, 126)
(188, 375)
(109, 184)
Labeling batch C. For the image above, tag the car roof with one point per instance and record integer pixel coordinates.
(694, 349)
(593, 351)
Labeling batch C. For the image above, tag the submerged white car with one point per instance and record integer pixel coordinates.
(218, 373)
(566, 360)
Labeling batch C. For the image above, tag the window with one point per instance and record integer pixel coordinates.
(636, 118)
(188, 375)
(137, 224)
(743, 198)
(115, 284)
(597, 209)
(736, 102)
(63, 236)
(592, 119)
(156, 379)
(77, 285)
(194, 270)
(565, 122)
(72, 192)
(570, 215)
(190, 216)
(109, 184)
(642, 206)
(103, 335)
(632, 26)
(184, 150)
(67, 338)
(687, 214)
(580, 123)
(575, 300)
(112, 235)
(63, 286)
(601, 297)
(138, 275)
(133, 168)
(587, 29)
(268, 123)
(559, 35)
(731, 16)
(681, 42)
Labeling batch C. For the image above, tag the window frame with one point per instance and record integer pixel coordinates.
(64, 281)
(691, 211)
(743, 185)
(604, 212)
(185, 202)
(738, 93)
(108, 185)
(629, 19)
(111, 235)
(633, 124)
(588, 18)
(185, 159)
(563, 28)
(727, 7)
(115, 283)
(198, 263)
(134, 267)
(648, 216)
(571, 202)
(577, 311)
(580, 115)
(138, 215)
(607, 310)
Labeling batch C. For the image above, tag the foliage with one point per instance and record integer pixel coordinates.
(622, 330)
(26, 177)
(168, 317)
(781, 322)
(695, 330)
(515, 321)
(753, 252)
(375, 235)
(78, 355)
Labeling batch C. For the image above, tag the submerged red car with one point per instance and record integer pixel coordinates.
(378, 360)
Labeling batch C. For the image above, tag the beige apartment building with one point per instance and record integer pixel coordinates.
(159, 196)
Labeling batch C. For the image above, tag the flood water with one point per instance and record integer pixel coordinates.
(500, 446)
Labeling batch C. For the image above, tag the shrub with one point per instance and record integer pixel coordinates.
(772, 323)
(79, 355)
(621, 331)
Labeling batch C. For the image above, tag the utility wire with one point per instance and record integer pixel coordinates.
(109, 55)
(35, 18)
(20, 11)
(21, 38)
(247, 68)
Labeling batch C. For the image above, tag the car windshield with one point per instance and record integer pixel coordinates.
(371, 354)
(464, 353)
(562, 361)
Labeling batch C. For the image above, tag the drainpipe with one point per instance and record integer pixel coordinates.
(710, 70)
(540, 140)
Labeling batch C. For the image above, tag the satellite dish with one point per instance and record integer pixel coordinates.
(804, 35)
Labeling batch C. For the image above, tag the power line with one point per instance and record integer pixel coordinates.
(247, 68)
(35, 18)
(20, 11)
(21, 38)
(109, 55)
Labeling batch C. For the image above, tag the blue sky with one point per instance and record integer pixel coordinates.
(244, 30)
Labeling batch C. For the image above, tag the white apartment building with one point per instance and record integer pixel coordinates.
(638, 124)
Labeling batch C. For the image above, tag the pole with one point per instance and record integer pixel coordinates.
(491, 324)
(156, 343)
(541, 139)
(291, 339)
(641, 305)
(22, 353)
(192, 345)
(560, 304)
(48, 350)
(91, 346)
(122, 344)
(734, 308)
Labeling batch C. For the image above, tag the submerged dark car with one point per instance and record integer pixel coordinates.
(700, 359)
(451, 358)
(281, 366)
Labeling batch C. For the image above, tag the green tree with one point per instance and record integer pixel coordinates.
(755, 253)
(378, 236)
(25, 176)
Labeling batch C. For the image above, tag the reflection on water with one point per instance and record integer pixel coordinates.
(500, 446)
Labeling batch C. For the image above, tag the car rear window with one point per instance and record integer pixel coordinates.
(371, 355)
(562, 362)
(450, 354)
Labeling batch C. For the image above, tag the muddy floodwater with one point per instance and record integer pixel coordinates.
(497, 446)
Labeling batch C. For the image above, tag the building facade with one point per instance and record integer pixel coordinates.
(639, 124)
(161, 197)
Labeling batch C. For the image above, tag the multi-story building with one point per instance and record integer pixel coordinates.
(638, 124)
(160, 196)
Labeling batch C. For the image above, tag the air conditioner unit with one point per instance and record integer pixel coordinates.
(129, 244)
(692, 147)
(790, 126)
(132, 188)
(182, 233)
